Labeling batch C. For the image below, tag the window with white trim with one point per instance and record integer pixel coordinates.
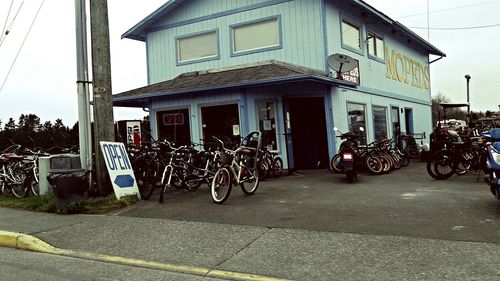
(197, 47)
(379, 122)
(266, 111)
(356, 118)
(376, 46)
(351, 35)
(256, 35)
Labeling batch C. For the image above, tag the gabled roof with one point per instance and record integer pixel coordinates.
(249, 75)
(138, 31)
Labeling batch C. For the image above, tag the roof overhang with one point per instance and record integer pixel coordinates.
(237, 78)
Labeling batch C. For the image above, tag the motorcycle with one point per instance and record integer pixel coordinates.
(349, 153)
(493, 160)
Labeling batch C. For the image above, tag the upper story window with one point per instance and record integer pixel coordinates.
(256, 36)
(376, 46)
(197, 47)
(351, 35)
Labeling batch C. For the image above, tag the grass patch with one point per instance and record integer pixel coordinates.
(46, 203)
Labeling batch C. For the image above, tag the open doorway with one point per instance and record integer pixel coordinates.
(221, 121)
(173, 125)
(308, 132)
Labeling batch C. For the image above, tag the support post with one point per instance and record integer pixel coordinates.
(85, 138)
(102, 95)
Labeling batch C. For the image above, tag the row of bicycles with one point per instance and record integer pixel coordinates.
(380, 156)
(19, 171)
(457, 155)
(165, 166)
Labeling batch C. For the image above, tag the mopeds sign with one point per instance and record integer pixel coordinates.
(120, 170)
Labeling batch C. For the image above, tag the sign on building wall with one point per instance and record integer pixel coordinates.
(173, 119)
(353, 75)
(406, 69)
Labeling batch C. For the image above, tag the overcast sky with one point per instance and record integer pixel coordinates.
(42, 80)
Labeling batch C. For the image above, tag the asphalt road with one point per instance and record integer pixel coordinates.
(406, 203)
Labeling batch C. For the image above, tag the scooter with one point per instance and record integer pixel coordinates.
(493, 160)
(349, 153)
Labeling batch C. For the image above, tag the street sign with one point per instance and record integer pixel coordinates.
(120, 170)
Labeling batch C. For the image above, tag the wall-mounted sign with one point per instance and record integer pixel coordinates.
(353, 75)
(405, 69)
(173, 119)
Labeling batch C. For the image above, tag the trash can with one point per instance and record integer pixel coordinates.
(69, 181)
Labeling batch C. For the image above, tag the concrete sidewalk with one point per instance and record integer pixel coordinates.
(310, 226)
(255, 253)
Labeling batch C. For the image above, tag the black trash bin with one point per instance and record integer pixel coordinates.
(69, 181)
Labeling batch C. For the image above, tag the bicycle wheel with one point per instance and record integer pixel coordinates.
(221, 185)
(264, 170)
(250, 181)
(443, 165)
(335, 162)
(149, 179)
(412, 152)
(20, 187)
(374, 164)
(278, 166)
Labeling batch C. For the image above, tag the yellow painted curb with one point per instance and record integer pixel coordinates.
(31, 243)
(9, 239)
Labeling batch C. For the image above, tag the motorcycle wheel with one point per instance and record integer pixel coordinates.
(351, 176)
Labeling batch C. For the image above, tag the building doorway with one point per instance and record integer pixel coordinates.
(308, 132)
(173, 125)
(222, 121)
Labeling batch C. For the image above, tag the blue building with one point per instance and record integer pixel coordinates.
(218, 67)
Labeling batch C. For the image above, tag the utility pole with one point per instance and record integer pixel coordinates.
(102, 101)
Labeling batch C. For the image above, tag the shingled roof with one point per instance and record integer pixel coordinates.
(249, 75)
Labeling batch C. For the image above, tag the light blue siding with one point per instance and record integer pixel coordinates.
(301, 28)
(311, 30)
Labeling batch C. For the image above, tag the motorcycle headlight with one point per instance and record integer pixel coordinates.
(496, 157)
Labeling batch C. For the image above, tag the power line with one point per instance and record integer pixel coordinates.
(21, 47)
(456, 28)
(6, 19)
(448, 9)
(7, 31)
(489, 81)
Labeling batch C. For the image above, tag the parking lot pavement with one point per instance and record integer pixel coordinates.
(308, 226)
(406, 202)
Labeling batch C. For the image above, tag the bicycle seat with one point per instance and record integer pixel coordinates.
(12, 156)
(247, 150)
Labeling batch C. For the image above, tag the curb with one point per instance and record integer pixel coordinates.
(27, 242)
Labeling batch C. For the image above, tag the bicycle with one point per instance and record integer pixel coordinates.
(270, 164)
(12, 175)
(239, 167)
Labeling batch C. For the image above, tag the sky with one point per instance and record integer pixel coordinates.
(42, 79)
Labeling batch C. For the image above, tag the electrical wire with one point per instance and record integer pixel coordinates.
(9, 28)
(489, 81)
(456, 28)
(21, 47)
(448, 9)
(6, 19)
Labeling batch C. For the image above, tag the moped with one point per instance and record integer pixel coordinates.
(349, 153)
(493, 160)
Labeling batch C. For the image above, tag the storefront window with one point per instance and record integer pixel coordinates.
(356, 119)
(396, 130)
(380, 122)
(267, 123)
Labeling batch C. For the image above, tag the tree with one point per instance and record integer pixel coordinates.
(453, 113)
